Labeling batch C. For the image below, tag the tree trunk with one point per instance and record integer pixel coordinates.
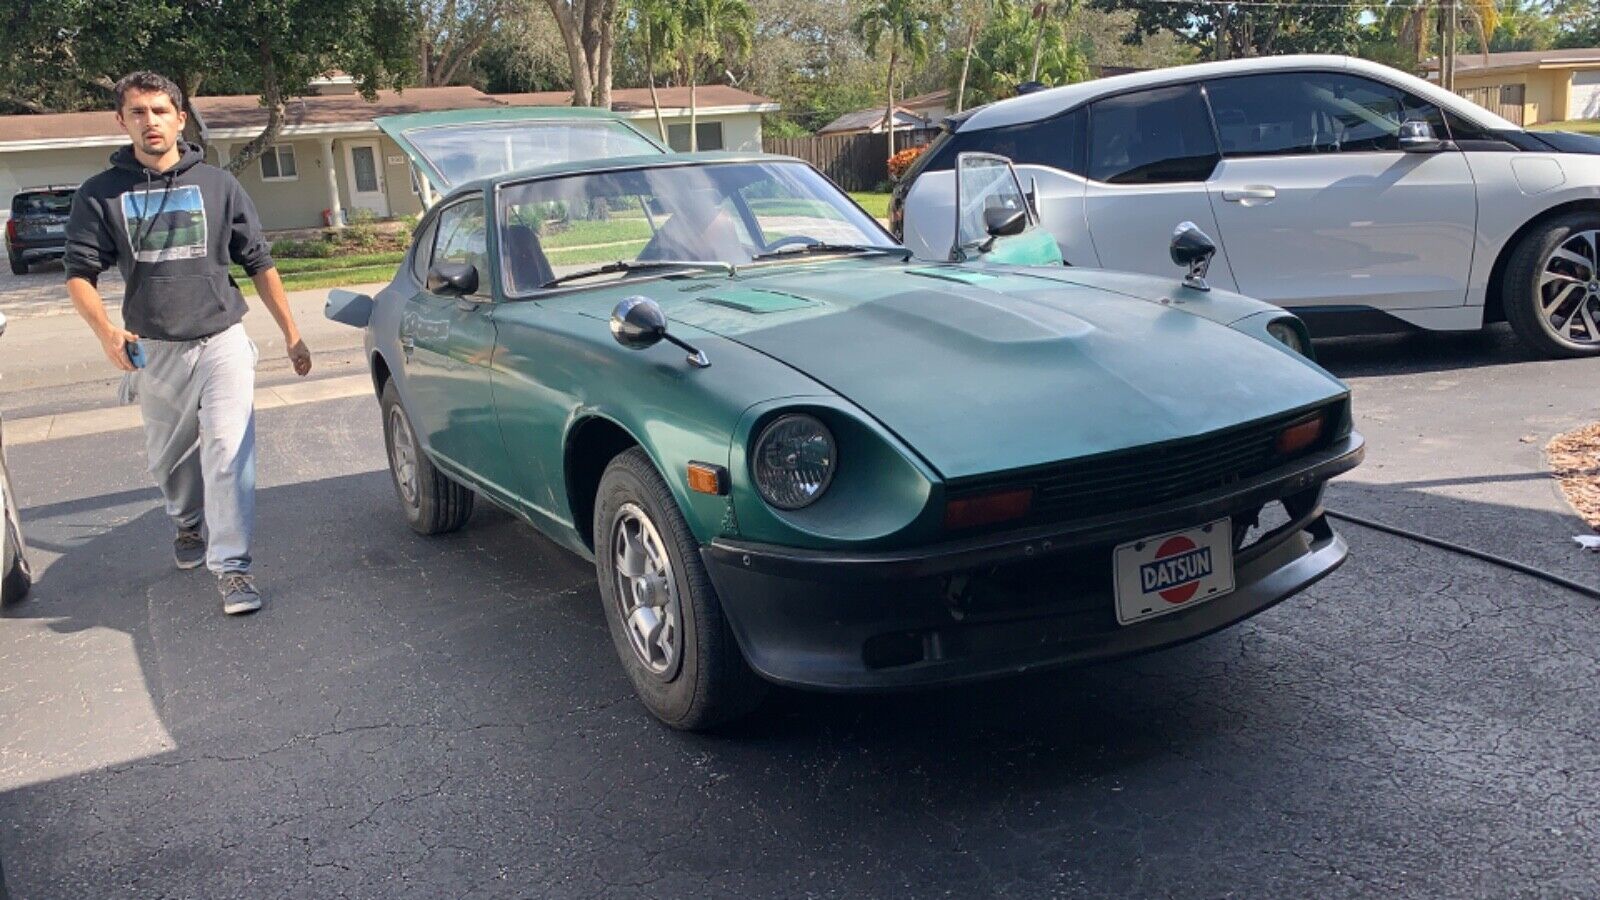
(577, 59)
(650, 76)
(602, 54)
(190, 85)
(272, 99)
(966, 64)
(888, 109)
(1038, 44)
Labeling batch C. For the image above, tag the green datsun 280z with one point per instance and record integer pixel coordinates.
(839, 468)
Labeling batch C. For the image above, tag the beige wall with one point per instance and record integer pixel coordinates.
(740, 131)
(299, 203)
(1546, 91)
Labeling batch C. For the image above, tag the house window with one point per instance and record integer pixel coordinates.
(710, 136)
(277, 163)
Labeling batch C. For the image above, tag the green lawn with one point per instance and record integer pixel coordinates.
(1586, 126)
(877, 204)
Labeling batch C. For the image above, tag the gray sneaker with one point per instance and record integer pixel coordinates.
(189, 548)
(239, 594)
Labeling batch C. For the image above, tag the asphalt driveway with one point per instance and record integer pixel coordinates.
(43, 291)
(418, 717)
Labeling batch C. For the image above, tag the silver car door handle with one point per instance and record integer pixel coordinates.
(1251, 192)
(408, 343)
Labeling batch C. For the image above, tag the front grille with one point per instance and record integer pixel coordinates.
(1144, 476)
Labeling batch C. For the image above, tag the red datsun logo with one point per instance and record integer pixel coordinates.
(1177, 570)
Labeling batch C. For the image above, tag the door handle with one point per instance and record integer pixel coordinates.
(408, 343)
(1259, 192)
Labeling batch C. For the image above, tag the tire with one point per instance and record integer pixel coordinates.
(433, 503)
(18, 577)
(708, 681)
(1523, 296)
(19, 266)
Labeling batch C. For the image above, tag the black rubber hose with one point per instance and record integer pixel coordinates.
(1513, 565)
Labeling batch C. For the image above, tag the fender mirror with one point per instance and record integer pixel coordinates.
(638, 323)
(1193, 249)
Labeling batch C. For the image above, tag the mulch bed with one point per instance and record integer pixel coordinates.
(1575, 462)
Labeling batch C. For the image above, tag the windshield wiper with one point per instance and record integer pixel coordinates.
(826, 247)
(622, 265)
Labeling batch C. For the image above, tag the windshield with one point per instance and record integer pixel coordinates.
(728, 213)
(463, 152)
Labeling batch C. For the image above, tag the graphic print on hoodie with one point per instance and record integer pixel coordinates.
(172, 234)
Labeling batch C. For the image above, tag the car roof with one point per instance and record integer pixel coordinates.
(614, 163)
(1043, 104)
(46, 188)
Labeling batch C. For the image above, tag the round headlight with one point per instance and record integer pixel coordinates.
(1284, 330)
(794, 461)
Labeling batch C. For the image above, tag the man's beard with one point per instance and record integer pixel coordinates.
(156, 148)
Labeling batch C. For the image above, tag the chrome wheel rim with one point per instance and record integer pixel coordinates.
(1569, 289)
(403, 456)
(646, 592)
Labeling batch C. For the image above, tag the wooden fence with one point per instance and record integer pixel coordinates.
(1506, 100)
(855, 162)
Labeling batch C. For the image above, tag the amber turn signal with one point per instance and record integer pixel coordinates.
(704, 478)
(1300, 435)
(987, 509)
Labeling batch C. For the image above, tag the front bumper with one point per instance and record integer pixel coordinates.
(1009, 603)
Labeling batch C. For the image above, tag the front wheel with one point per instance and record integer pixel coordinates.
(432, 502)
(1552, 287)
(664, 616)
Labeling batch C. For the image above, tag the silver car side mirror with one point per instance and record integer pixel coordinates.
(1193, 248)
(1416, 136)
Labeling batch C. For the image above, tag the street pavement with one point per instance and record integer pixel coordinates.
(414, 717)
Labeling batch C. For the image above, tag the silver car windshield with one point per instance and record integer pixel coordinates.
(730, 213)
(462, 153)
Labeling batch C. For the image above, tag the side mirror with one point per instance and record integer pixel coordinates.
(1193, 248)
(1416, 136)
(452, 279)
(1000, 222)
(638, 323)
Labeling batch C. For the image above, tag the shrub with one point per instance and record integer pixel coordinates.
(900, 162)
(292, 249)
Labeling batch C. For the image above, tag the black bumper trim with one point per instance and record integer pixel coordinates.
(831, 565)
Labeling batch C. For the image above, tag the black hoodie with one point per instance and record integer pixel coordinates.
(172, 235)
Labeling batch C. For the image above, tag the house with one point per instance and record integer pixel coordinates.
(330, 158)
(924, 110)
(1534, 86)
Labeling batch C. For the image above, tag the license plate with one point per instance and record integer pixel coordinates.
(54, 230)
(1168, 572)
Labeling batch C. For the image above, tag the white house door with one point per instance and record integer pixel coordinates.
(366, 177)
(1584, 101)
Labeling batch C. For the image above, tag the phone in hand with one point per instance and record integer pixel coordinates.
(135, 353)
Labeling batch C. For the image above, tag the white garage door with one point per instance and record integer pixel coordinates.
(1584, 102)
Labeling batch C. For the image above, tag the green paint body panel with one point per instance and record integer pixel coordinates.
(925, 374)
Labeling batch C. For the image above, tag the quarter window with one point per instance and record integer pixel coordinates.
(1160, 136)
(1312, 112)
(463, 238)
(1057, 142)
(277, 163)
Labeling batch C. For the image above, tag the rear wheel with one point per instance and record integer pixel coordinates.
(18, 577)
(1552, 287)
(432, 502)
(19, 266)
(664, 616)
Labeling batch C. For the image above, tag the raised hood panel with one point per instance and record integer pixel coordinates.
(1005, 371)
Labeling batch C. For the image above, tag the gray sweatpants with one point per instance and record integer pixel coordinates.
(197, 399)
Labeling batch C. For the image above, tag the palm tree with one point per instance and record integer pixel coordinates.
(712, 30)
(1415, 20)
(976, 14)
(661, 29)
(1041, 12)
(904, 25)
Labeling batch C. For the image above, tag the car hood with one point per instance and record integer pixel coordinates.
(983, 371)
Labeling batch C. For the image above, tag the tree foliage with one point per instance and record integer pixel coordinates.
(1003, 55)
(904, 29)
(1222, 30)
(451, 33)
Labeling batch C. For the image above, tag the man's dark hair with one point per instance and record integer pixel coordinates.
(149, 82)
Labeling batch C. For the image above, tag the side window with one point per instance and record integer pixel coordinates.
(1161, 136)
(462, 237)
(1291, 113)
(421, 257)
(1056, 142)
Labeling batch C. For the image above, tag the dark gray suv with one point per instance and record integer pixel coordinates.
(37, 229)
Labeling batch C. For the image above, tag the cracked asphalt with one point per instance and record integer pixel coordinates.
(417, 717)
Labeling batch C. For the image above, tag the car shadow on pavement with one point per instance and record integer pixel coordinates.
(444, 713)
(1421, 351)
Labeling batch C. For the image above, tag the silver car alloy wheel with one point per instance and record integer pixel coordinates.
(403, 455)
(647, 594)
(1569, 288)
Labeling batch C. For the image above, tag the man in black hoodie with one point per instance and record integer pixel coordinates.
(171, 224)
